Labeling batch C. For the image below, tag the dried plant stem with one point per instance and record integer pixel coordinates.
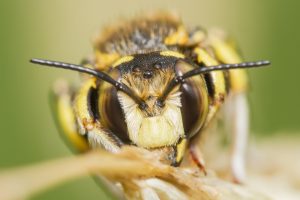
(133, 167)
(21, 183)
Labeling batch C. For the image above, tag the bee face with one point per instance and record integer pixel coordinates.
(153, 126)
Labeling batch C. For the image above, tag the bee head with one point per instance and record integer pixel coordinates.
(152, 100)
(174, 99)
(147, 75)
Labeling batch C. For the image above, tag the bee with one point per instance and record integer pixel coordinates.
(155, 84)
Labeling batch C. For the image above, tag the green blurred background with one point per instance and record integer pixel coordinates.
(62, 30)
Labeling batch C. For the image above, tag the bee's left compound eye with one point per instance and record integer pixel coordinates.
(194, 100)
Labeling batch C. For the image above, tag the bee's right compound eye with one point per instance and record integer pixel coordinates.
(110, 111)
(194, 100)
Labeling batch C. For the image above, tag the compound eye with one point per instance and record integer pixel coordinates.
(193, 108)
(111, 113)
(194, 100)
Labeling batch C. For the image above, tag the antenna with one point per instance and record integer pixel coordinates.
(203, 70)
(101, 75)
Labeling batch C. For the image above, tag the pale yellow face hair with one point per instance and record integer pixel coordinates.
(161, 130)
(164, 126)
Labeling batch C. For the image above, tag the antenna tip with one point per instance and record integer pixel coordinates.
(265, 62)
(35, 60)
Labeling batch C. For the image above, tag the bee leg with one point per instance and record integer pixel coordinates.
(61, 99)
(178, 152)
(61, 106)
(238, 106)
(88, 124)
(197, 157)
(239, 130)
(101, 138)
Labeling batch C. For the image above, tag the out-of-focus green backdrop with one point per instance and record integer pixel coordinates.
(62, 30)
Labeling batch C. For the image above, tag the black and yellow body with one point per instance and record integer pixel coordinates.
(155, 96)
